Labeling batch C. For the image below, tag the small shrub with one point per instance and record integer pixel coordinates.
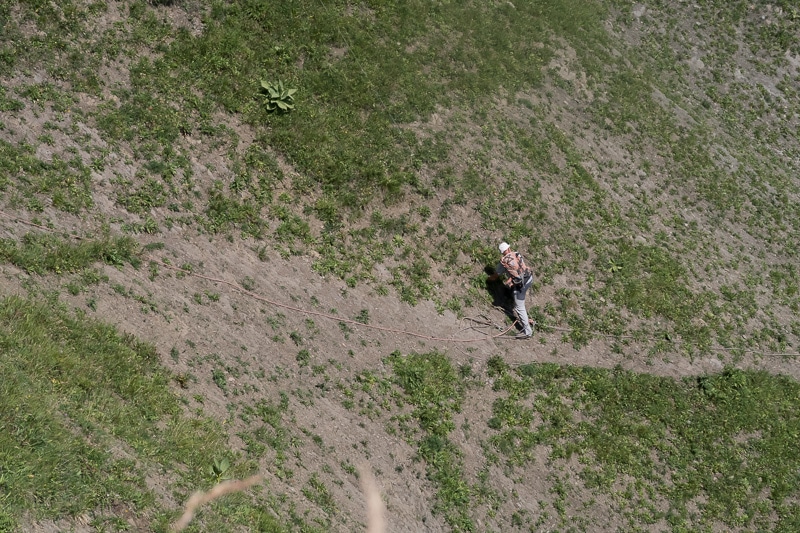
(363, 316)
(303, 357)
(277, 97)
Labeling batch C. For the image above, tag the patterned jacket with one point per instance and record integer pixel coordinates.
(514, 265)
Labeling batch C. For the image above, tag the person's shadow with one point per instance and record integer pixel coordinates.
(502, 296)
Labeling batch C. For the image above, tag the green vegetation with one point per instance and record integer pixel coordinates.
(88, 415)
(716, 449)
(39, 253)
(644, 156)
(433, 388)
(372, 81)
(72, 391)
(277, 97)
(66, 182)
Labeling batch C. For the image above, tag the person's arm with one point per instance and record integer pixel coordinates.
(499, 271)
(511, 269)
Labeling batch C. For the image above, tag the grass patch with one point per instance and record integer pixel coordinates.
(719, 442)
(41, 253)
(72, 391)
(371, 81)
(88, 414)
(434, 389)
(65, 182)
(645, 179)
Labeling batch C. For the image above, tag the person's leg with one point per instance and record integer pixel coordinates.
(519, 308)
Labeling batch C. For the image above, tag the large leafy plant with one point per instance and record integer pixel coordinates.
(277, 97)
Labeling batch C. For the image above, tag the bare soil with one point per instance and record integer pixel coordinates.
(201, 325)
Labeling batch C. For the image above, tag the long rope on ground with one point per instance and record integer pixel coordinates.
(320, 314)
(245, 292)
(731, 351)
(33, 224)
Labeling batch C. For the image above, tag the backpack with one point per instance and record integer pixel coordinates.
(525, 272)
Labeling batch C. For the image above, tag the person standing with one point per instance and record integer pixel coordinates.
(518, 278)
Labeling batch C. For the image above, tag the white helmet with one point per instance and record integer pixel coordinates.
(503, 247)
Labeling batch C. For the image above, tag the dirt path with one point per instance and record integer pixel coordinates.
(293, 289)
(256, 338)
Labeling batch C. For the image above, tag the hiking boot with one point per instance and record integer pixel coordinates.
(522, 336)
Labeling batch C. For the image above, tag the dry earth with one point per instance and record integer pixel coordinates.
(199, 325)
(235, 331)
